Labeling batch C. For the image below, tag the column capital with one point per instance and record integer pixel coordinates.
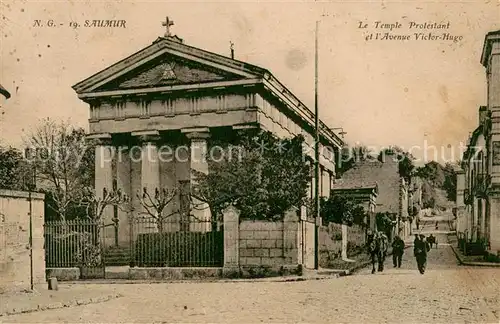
(147, 136)
(196, 133)
(102, 139)
(197, 136)
(144, 139)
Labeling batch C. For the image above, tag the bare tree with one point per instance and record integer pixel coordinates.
(154, 205)
(95, 205)
(64, 162)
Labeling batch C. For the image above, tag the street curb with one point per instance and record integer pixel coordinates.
(472, 264)
(459, 258)
(334, 273)
(458, 255)
(199, 281)
(57, 305)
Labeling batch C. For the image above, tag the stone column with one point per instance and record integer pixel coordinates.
(231, 242)
(150, 171)
(123, 183)
(104, 180)
(344, 243)
(291, 235)
(198, 162)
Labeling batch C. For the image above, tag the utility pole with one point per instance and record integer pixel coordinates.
(32, 187)
(316, 153)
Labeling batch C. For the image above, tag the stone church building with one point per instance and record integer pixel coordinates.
(176, 96)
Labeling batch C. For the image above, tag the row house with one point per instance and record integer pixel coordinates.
(473, 181)
(478, 183)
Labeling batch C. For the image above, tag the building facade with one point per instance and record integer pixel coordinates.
(490, 59)
(393, 194)
(472, 201)
(364, 194)
(175, 96)
(478, 183)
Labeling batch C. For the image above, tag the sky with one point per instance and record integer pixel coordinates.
(381, 92)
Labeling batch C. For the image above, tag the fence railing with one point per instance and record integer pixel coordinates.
(177, 243)
(72, 243)
(170, 243)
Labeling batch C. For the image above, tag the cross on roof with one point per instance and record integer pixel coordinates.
(167, 23)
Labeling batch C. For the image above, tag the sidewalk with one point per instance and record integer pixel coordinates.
(42, 299)
(309, 274)
(462, 259)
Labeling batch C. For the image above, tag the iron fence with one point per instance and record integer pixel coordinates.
(74, 243)
(170, 243)
(176, 243)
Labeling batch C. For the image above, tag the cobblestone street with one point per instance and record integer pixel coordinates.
(445, 293)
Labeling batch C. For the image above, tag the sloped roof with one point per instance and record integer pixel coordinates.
(354, 184)
(4, 92)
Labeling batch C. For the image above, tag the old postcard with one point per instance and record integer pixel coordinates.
(249, 162)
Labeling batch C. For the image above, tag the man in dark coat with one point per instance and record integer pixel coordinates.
(420, 249)
(398, 248)
(432, 240)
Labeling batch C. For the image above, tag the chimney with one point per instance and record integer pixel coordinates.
(483, 113)
(232, 50)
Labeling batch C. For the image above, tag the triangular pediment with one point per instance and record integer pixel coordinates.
(168, 70)
(167, 62)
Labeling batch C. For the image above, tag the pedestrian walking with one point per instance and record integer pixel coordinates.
(431, 240)
(398, 248)
(420, 249)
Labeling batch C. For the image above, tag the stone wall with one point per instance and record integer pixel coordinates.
(14, 240)
(330, 242)
(262, 248)
(261, 243)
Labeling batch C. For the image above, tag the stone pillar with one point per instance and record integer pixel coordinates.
(150, 172)
(291, 235)
(344, 244)
(104, 180)
(198, 162)
(371, 215)
(231, 242)
(123, 183)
